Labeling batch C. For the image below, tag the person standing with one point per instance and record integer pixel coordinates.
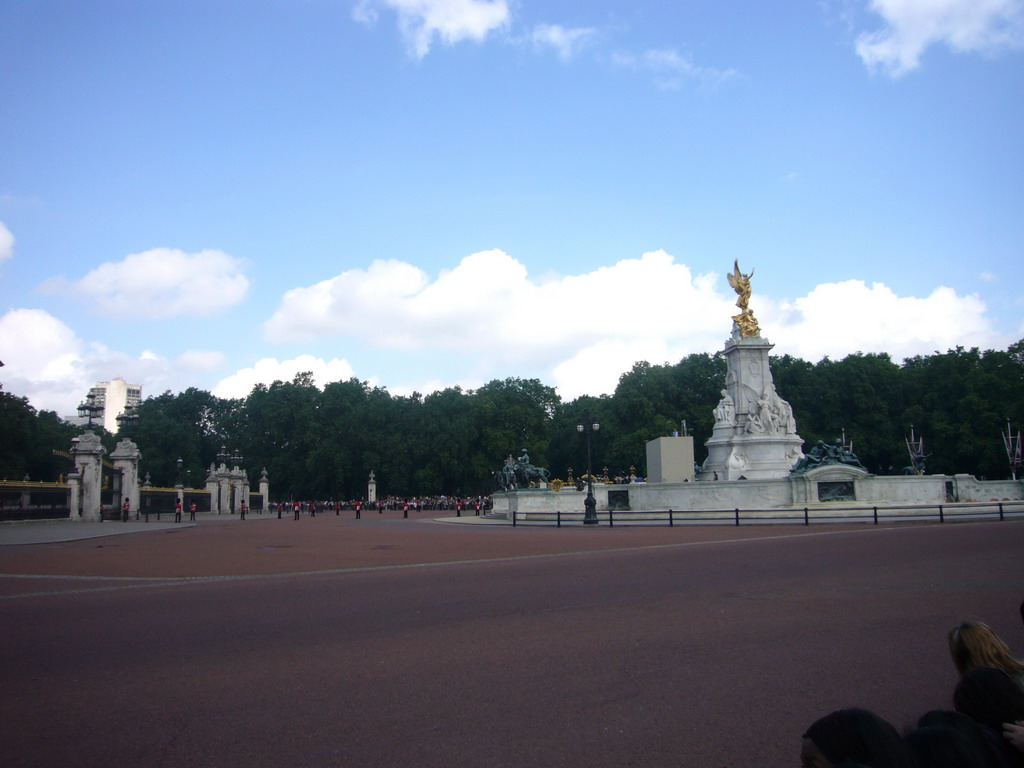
(177, 511)
(243, 509)
(125, 509)
(192, 511)
(298, 508)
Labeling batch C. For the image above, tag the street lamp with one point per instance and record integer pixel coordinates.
(126, 421)
(90, 409)
(588, 426)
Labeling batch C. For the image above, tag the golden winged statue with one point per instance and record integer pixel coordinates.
(741, 284)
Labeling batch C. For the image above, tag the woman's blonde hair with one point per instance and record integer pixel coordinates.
(974, 644)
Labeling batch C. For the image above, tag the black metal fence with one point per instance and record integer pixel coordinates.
(23, 502)
(904, 513)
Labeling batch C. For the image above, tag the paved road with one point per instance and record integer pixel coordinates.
(390, 642)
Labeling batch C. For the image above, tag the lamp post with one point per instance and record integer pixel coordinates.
(90, 409)
(588, 426)
(126, 421)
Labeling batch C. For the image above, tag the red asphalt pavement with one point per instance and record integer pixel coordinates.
(391, 642)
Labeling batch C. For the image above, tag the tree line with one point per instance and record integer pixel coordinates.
(323, 443)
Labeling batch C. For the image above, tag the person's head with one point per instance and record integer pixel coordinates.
(990, 697)
(974, 644)
(938, 747)
(968, 731)
(852, 736)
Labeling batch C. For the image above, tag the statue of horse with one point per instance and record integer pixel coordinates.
(527, 474)
(505, 478)
(519, 474)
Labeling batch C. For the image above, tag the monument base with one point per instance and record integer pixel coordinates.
(827, 486)
(754, 436)
(752, 457)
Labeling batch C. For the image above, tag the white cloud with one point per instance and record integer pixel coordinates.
(911, 26)
(160, 283)
(197, 360)
(837, 319)
(671, 68)
(426, 386)
(268, 370)
(596, 369)
(488, 312)
(47, 362)
(486, 318)
(39, 346)
(566, 42)
(423, 21)
(6, 243)
(488, 300)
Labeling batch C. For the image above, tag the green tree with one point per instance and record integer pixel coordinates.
(29, 439)
(449, 434)
(512, 415)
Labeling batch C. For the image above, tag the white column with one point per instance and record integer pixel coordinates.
(88, 453)
(74, 494)
(126, 457)
(265, 489)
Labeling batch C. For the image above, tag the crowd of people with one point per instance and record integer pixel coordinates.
(473, 505)
(985, 728)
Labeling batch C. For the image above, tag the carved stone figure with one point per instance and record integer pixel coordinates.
(725, 411)
(755, 425)
(771, 415)
(738, 460)
(786, 418)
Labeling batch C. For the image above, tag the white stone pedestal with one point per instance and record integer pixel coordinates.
(670, 460)
(754, 436)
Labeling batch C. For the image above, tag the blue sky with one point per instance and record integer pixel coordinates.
(426, 193)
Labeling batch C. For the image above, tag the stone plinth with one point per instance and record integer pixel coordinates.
(834, 482)
(670, 460)
(754, 437)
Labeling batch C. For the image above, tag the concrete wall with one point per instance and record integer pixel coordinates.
(797, 491)
(967, 488)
